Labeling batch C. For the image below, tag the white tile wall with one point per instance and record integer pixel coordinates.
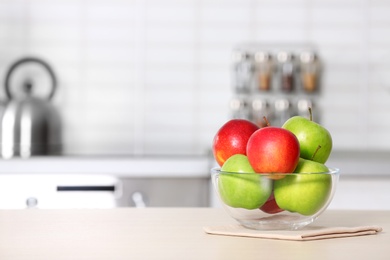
(153, 76)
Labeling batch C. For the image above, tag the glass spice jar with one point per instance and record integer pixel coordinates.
(243, 71)
(310, 68)
(287, 71)
(263, 64)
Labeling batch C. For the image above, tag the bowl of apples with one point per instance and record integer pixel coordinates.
(274, 178)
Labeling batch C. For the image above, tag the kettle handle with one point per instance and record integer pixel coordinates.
(25, 60)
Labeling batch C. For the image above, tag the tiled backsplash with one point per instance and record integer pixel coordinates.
(154, 76)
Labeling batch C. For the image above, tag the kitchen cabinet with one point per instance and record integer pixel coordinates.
(364, 180)
(164, 192)
(18, 191)
(362, 192)
(104, 182)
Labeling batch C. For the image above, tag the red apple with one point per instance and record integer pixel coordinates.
(270, 206)
(232, 139)
(273, 150)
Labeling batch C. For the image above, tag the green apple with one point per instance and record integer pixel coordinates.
(315, 141)
(240, 187)
(305, 192)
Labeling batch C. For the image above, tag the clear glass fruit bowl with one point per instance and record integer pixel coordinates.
(275, 201)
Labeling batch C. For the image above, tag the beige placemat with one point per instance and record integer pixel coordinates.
(307, 233)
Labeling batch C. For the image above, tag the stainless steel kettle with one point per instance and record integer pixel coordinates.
(30, 125)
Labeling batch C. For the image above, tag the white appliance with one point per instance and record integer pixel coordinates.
(54, 191)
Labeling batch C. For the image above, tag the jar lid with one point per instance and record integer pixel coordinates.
(262, 56)
(308, 57)
(259, 104)
(239, 56)
(282, 104)
(285, 56)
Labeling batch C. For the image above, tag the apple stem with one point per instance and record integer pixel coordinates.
(315, 152)
(310, 114)
(266, 121)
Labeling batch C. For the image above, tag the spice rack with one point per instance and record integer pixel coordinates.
(276, 80)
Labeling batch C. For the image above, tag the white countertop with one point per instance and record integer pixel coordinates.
(350, 163)
(162, 233)
(121, 166)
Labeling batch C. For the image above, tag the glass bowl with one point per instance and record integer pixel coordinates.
(287, 201)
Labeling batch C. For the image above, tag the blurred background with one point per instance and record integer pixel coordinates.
(157, 77)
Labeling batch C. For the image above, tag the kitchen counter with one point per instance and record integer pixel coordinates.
(118, 166)
(171, 233)
(351, 163)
